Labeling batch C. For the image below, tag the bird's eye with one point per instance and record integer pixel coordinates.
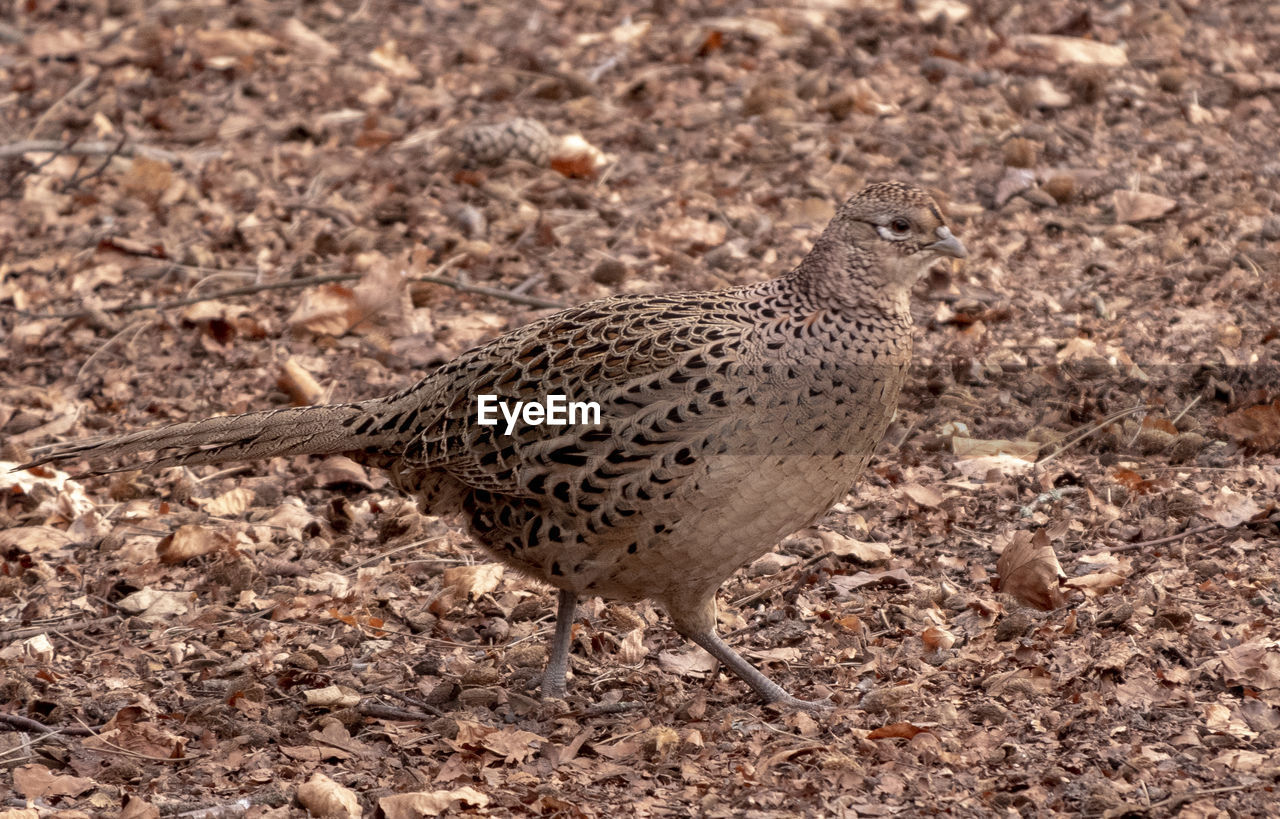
(900, 225)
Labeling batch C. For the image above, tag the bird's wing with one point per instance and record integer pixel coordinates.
(660, 369)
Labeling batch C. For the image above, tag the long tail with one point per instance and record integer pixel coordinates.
(320, 430)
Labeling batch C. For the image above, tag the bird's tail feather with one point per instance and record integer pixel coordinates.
(319, 430)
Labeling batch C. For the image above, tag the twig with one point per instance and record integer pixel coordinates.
(219, 275)
(497, 293)
(606, 709)
(383, 555)
(248, 290)
(77, 180)
(61, 101)
(64, 628)
(27, 724)
(230, 810)
(222, 473)
(378, 710)
(1186, 409)
(28, 146)
(1044, 497)
(137, 325)
(1178, 799)
(417, 703)
(759, 593)
(328, 212)
(1090, 430)
(1186, 533)
(112, 747)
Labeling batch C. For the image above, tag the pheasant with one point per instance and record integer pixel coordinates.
(726, 420)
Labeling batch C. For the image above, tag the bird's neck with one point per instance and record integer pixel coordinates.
(838, 277)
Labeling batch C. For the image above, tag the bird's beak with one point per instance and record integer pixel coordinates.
(948, 245)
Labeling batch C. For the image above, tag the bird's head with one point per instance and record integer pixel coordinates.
(881, 241)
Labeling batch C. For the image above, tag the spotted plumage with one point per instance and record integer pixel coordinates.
(728, 420)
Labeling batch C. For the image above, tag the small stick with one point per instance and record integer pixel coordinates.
(231, 810)
(137, 325)
(61, 101)
(1186, 533)
(378, 710)
(22, 723)
(1045, 497)
(531, 301)
(1187, 408)
(61, 628)
(405, 698)
(27, 146)
(248, 290)
(1178, 799)
(1113, 417)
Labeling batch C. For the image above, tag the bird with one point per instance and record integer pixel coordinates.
(725, 421)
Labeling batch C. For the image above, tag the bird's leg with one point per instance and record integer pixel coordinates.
(701, 630)
(558, 663)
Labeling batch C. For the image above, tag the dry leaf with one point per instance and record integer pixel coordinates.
(432, 803)
(1041, 93)
(955, 11)
(306, 42)
(1132, 480)
(983, 467)
(1029, 571)
(152, 604)
(1021, 450)
(54, 42)
(690, 661)
(332, 696)
(339, 470)
(923, 495)
(660, 740)
(33, 539)
(864, 552)
(513, 744)
(229, 504)
(291, 517)
(1136, 206)
(295, 382)
(897, 730)
(327, 310)
(937, 639)
(37, 781)
(1072, 50)
(213, 44)
(128, 731)
(1256, 427)
(894, 578)
(383, 290)
(1255, 664)
(388, 57)
(472, 581)
(694, 234)
(1096, 583)
(1228, 508)
(631, 651)
(148, 179)
(188, 541)
(574, 157)
(37, 649)
(326, 799)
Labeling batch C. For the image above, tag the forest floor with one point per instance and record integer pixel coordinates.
(220, 207)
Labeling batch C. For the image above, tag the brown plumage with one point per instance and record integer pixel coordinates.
(729, 419)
